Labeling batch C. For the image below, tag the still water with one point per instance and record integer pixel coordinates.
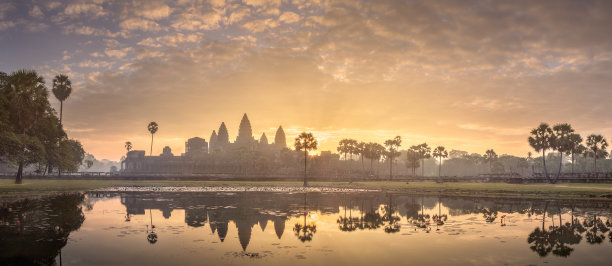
(253, 228)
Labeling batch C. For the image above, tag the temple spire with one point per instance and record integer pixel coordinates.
(280, 140)
(245, 132)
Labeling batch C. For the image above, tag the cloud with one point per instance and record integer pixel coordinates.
(289, 17)
(36, 12)
(139, 24)
(117, 53)
(76, 9)
(154, 12)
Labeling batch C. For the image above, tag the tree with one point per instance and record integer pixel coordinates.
(562, 142)
(542, 139)
(360, 150)
(440, 152)
(576, 147)
(489, 157)
(412, 159)
(128, 146)
(62, 87)
(424, 153)
(306, 142)
(597, 144)
(152, 127)
(392, 147)
(373, 152)
(347, 146)
(24, 103)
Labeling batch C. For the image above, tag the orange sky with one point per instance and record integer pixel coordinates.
(464, 74)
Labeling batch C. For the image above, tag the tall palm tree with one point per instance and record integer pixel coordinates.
(489, 157)
(373, 151)
(562, 142)
(128, 146)
(152, 127)
(392, 147)
(440, 152)
(598, 145)
(62, 87)
(542, 139)
(424, 153)
(306, 142)
(360, 149)
(576, 147)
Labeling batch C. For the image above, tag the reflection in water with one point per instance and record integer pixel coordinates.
(35, 231)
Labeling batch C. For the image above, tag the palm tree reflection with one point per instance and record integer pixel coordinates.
(305, 231)
(151, 235)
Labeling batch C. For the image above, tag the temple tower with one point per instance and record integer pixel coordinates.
(213, 142)
(222, 136)
(263, 140)
(279, 140)
(245, 133)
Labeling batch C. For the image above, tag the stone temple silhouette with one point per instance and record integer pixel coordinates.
(215, 156)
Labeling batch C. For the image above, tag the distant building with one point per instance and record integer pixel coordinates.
(209, 157)
(196, 147)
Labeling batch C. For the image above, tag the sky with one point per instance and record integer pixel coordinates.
(467, 75)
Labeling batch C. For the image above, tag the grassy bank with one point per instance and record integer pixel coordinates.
(574, 190)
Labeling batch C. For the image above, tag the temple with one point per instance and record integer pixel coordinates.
(219, 155)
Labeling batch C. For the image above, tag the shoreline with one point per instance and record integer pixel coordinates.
(36, 188)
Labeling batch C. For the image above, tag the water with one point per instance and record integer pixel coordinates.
(254, 228)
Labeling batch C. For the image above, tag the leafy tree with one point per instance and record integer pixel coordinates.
(392, 147)
(306, 142)
(542, 139)
(598, 145)
(489, 157)
(152, 127)
(348, 146)
(128, 146)
(25, 102)
(62, 87)
(440, 152)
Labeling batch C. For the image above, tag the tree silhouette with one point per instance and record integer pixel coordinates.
(563, 143)
(424, 153)
(542, 139)
(597, 144)
(440, 152)
(392, 146)
(152, 127)
(576, 147)
(489, 157)
(373, 151)
(128, 146)
(306, 142)
(413, 159)
(62, 87)
(304, 232)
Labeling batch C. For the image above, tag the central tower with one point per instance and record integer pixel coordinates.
(245, 133)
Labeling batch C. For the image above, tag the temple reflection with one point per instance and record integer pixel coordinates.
(388, 212)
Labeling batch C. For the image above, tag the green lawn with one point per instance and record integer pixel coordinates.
(41, 187)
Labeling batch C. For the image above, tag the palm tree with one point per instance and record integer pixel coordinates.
(392, 146)
(373, 151)
(489, 157)
(576, 146)
(598, 145)
(412, 159)
(62, 87)
(128, 146)
(306, 142)
(424, 153)
(152, 127)
(440, 152)
(360, 149)
(345, 147)
(542, 139)
(562, 142)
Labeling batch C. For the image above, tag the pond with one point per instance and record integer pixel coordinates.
(254, 228)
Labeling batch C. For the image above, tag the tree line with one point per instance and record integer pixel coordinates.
(31, 133)
(563, 139)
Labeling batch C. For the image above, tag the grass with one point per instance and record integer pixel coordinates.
(573, 190)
